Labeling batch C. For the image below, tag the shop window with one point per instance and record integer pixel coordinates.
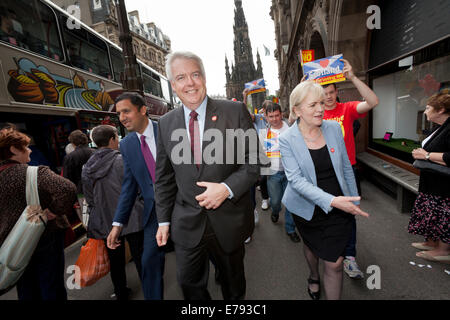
(403, 97)
(86, 51)
(30, 25)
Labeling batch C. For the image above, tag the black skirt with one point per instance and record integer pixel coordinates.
(326, 235)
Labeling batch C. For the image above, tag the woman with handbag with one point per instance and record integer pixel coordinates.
(43, 278)
(430, 216)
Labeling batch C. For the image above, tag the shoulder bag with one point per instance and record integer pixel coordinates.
(19, 245)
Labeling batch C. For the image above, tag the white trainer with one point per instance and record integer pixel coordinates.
(265, 204)
(351, 268)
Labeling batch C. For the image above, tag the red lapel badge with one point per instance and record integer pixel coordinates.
(214, 118)
(332, 150)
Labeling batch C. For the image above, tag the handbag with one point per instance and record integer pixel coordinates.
(18, 247)
(93, 262)
(431, 166)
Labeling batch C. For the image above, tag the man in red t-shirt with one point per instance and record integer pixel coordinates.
(346, 113)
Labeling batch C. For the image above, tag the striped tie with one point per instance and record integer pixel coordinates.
(194, 132)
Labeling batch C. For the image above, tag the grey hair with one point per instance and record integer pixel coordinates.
(301, 91)
(182, 55)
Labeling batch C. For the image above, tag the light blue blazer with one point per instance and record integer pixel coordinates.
(302, 194)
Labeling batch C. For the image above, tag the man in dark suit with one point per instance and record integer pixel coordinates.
(138, 151)
(205, 202)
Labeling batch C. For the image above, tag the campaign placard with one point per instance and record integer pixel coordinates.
(306, 56)
(326, 70)
(256, 86)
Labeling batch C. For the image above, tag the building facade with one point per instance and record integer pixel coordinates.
(150, 44)
(401, 49)
(243, 70)
(379, 57)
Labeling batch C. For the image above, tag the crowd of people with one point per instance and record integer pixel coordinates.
(139, 191)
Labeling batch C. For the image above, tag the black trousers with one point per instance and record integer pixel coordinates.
(117, 262)
(263, 185)
(43, 278)
(193, 268)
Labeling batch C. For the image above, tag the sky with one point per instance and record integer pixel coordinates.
(205, 27)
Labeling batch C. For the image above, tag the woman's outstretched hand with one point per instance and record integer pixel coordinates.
(346, 204)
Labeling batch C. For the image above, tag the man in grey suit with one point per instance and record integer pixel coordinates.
(205, 204)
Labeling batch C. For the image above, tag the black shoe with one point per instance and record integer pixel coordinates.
(274, 217)
(294, 237)
(314, 295)
(123, 295)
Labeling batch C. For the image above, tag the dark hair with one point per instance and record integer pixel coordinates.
(273, 107)
(102, 135)
(135, 98)
(11, 137)
(440, 100)
(330, 84)
(78, 138)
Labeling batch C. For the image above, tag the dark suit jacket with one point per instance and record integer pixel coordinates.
(176, 187)
(432, 182)
(136, 177)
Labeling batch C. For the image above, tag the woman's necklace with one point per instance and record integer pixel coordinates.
(314, 139)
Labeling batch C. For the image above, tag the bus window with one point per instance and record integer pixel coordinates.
(117, 62)
(165, 89)
(30, 25)
(86, 51)
(151, 83)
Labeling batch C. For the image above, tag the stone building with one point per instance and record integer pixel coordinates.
(401, 49)
(243, 70)
(326, 26)
(150, 44)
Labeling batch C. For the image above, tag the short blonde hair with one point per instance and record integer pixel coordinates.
(301, 91)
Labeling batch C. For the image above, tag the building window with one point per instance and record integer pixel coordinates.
(97, 4)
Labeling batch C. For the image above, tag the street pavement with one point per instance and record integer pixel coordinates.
(276, 268)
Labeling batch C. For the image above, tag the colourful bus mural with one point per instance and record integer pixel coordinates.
(30, 83)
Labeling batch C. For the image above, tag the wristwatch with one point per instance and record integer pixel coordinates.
(427, 156)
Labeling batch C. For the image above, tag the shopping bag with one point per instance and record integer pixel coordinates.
(93, 262)
(18, 247)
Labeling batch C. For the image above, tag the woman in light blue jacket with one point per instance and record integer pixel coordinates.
(321, 191)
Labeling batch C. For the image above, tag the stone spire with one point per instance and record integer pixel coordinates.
(243, 67)
(227, 69)
(259, 71)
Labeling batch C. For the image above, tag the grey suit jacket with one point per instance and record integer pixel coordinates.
(176, 189)
(302, 194)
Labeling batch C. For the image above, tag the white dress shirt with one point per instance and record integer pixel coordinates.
(201, 111)
(149, 138)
